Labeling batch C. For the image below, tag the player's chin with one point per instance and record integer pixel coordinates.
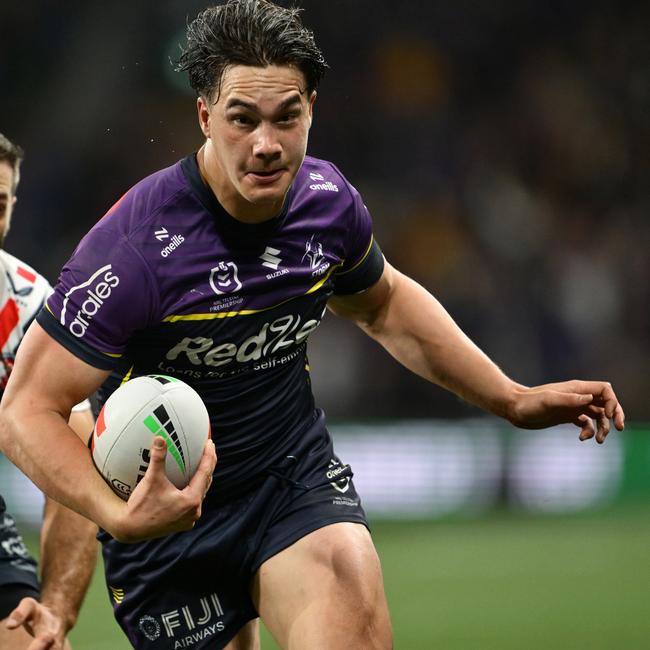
(267, 194)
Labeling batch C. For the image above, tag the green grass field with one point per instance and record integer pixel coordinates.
(502, 582)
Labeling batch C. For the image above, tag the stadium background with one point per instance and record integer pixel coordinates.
(502, 148)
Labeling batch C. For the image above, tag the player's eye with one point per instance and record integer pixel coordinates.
(287, 118)
(241, 120)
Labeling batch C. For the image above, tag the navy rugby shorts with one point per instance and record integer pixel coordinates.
(18, 570)
(191, 589)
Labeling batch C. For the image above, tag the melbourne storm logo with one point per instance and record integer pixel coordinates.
(314, 254)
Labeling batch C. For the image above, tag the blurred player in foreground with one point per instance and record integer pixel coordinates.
(39, 616)
(216, 270)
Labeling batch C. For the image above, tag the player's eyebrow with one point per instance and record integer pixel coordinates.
(235, 102)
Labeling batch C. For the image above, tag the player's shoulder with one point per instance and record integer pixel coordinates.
(322, 180)
(20, 273)
(143, 203)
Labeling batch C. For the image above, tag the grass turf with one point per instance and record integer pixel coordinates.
(500, 582)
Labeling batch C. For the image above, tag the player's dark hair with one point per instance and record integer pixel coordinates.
(248, 32)
(11, 153)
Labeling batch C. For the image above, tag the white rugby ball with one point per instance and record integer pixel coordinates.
(139, 410)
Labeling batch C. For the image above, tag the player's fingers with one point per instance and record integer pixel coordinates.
(157, 454)
(619, 417)
(44, 642)
(574, 400)
(558, 400)
(156, 472)
(202, 479)
(25, 610)
(209, 456)
(603, 392)
(569, 406)
(609, 399)
(586, 427)
(603, 428)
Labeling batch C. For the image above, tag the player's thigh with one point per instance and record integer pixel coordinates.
(325, 591)
(14, 639)
(18, 639)
(10, 595)
(248, 638)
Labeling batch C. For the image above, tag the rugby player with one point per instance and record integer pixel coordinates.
(216, 270)
(31, 615)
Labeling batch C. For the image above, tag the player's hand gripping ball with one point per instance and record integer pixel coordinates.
(144, 407)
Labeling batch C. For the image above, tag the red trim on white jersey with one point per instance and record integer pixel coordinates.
(22, 294)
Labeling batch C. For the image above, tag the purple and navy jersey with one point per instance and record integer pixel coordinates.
(169, 283)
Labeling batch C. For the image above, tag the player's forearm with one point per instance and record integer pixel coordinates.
(68, 558)
(49, 452)
(416, 330)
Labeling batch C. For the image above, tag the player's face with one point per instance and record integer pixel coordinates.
(257, 135)
(7, 198)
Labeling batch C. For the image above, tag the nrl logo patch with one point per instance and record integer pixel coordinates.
(224, 278)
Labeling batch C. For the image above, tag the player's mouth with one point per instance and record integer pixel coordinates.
(266, 177)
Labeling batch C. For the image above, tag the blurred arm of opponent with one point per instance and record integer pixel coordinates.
(46, 381)
(68, 558)
(415, 329)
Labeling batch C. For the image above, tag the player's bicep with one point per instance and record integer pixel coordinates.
(46, 376)
(366, 308)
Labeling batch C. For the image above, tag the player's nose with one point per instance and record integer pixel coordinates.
(266, 143)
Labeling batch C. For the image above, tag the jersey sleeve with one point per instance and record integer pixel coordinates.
(364, 261)
(105, 293)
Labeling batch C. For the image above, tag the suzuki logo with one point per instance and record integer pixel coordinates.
(270, 258)
(161, 234)
(223, 278)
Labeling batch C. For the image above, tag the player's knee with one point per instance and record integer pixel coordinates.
(355, 562)
(358, 573)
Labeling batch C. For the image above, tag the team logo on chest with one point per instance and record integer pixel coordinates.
(314, 255)
(224, 278)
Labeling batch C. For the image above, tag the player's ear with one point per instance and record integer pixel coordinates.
(204, 115)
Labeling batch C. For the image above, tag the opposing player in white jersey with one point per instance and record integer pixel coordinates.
(37, 616)
(22, 294)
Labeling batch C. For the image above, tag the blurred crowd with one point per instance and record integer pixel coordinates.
(501, 146)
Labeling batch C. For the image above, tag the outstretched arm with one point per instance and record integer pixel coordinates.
(414, 327)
